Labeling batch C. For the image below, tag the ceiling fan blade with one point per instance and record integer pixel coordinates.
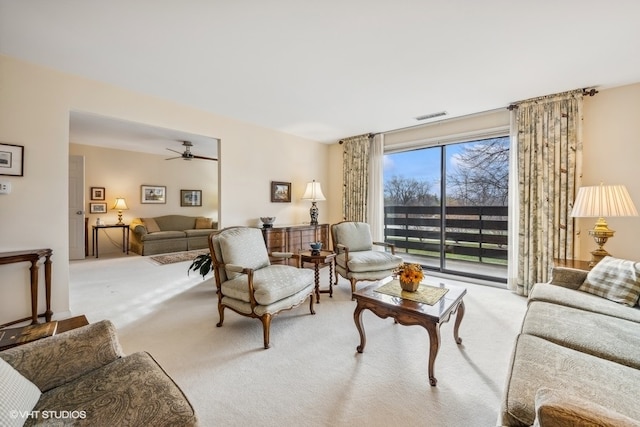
(179, 152)
(204, 158)
(172, 158)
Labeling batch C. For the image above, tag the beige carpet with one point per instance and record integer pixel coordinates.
(174, 257)
(312, 374)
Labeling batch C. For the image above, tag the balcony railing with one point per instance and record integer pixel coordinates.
(466, 237)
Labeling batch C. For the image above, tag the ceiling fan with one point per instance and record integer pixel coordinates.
(187, 154)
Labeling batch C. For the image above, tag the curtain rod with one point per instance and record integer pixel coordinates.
(585, 92)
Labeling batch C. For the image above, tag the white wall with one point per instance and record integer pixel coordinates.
(34, 112)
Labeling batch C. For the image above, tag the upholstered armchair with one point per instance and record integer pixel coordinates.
(249, 284)
(356, 259)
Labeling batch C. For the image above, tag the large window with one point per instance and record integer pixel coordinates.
(446, 206)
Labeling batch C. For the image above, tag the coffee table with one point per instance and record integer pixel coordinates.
(407, 312)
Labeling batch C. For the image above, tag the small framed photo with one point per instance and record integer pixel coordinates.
(280, 192)
(190, 197)
(11, 159)
(97, 208)
(97, 193)
(153, 194)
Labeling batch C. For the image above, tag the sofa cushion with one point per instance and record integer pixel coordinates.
(614, 279)
(18, 396)
(133, 391)
(616, 339)
(582, 300)
(201, 232)
(245, 247)
(554, 408)
(270, 284)
(202, 222)
(176, 222)
(151, 225)
(163, 235)
(538, 363)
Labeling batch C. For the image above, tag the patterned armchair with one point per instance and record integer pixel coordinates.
(356, 258)
(248, 284)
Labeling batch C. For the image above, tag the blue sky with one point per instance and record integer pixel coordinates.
(423, 164)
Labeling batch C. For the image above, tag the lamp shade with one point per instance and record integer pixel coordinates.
(313, 192)
(603, 201)
(120, 204)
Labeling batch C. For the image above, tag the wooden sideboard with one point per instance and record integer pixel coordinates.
(295, 238)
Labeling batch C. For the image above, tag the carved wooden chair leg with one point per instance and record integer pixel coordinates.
(353, 287)
(221, 314)
(311, 305)
(266, 325)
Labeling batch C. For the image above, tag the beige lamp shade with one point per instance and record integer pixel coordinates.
(120, 205)
(603, 201)
(313, 192)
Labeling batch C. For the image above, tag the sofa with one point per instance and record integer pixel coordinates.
(82, 377)
(576, 360)
(170, 233)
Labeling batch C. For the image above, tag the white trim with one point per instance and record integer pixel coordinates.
(449, 139)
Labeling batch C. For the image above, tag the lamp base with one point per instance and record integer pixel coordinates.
(120, 219)
(601, 233)
(314, 214)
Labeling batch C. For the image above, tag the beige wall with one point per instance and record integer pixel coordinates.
(34, 112)
(122, 172)
(611, 152)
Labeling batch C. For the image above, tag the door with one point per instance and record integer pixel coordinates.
(76, 208)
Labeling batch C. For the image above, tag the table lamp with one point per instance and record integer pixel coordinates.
(599, 202)
(120, 205)
(313, 193)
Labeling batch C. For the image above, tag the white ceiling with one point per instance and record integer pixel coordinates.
(329, 69)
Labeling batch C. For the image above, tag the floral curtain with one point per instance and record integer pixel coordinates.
(355, 169)
(375, 214)
(549, 140)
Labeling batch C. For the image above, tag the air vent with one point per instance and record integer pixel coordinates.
(432, 115)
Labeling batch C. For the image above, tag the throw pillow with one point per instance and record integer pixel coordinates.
(614, 279)
(151, 225)
(202, 222)
(244, 247)
(18, 396)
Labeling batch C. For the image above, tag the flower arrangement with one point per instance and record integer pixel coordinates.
(409, 275)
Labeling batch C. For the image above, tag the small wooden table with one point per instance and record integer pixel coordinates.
(125, 236)
(63, 326)
(407, 312)
(572, 263)
(320, 258)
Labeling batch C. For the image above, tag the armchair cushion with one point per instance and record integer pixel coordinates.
(244, 247)
(354, 235)
(365, 261)
(18, 395)
(270, 284)
(614, 279)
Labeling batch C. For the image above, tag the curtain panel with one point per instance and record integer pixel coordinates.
(549, 143)
(355, 169)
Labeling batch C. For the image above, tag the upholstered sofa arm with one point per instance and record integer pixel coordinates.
(137, 226)
(554, 408)
(51, 362)
(567, 277)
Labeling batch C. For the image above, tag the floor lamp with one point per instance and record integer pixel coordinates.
(599, 202)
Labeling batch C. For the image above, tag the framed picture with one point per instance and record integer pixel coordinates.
(97, 208)
(11, 159)
(280, 192)
(153, 194)
(190, 197)
(97, 193)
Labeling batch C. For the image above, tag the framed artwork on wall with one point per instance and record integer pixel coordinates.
(97, 208)
(190, 197)
(97, 193)
(11, 160)
(153, 194)
(280, 192)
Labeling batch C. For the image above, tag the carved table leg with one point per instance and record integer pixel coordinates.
(459, 317)
(47, 283)
(357, 317)
(434, 346)
(34, 292)
(316, 269)
(331, 279)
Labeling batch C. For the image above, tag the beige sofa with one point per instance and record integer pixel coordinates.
(577, 358)
(170, 233)
(82, 377)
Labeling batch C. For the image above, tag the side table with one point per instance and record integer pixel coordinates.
(572, 263)
(125, 236)
(320, 258)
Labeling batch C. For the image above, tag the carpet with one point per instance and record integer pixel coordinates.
(178, 256)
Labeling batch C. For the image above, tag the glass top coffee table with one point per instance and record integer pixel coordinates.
(407, 312)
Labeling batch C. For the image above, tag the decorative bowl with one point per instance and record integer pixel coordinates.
(316, 246)
(267, 221)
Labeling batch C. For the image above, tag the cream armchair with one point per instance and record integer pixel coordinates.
(356, 259)
(248, 284)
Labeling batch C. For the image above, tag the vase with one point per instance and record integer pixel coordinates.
(409, 286)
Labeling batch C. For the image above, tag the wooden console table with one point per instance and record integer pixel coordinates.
(125, 236)
(33, 256)
(295, 238)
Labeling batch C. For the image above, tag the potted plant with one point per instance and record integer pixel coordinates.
(202, 264)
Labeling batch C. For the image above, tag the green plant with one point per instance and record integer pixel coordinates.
(202, 264)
